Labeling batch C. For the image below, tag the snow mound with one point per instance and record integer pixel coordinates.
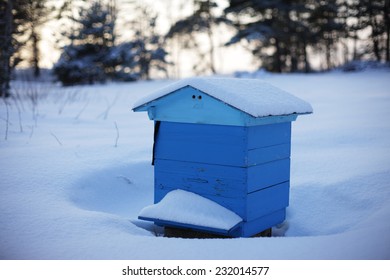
(251, 96)
(189, 208)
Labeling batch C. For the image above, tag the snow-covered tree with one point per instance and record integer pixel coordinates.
(374, 17)
(120, 62)
(6, 48)
(327, 26)
(13, 18)
(82, 61)
(93, 55)
(279, 32)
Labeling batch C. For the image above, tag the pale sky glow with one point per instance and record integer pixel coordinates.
(227, 59)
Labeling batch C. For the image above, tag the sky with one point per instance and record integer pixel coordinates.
(228, 59)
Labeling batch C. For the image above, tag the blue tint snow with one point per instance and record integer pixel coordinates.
(189, 208)
(72, 185)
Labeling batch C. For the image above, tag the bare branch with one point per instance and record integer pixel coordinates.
(117, 135)
(6, 120)
(58, 140)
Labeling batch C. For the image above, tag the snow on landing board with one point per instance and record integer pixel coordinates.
(189, 208)
(254, 97)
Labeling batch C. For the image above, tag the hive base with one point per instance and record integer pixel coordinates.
(188, 233)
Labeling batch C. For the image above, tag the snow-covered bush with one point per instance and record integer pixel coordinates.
(93, 55)
(79, 64)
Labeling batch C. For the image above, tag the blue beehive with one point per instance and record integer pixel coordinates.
(228, 141)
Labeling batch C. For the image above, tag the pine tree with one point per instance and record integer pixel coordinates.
(280, 32)
(13, 16)
(120, 63)
(82, 60)
(386, 11)
(146, 45)
(203, 20)
(6, 48)
(328, 26)
(276, 31)
(93, 55)
(374, 16)
(38, 12)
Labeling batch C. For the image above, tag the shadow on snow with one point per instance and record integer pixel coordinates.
(314, 210)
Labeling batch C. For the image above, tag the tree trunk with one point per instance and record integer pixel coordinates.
(355, 39)
(35, 52)
(327, 54)
(210, 35)
(387, 24)
(6, 48)
(277, 57)
(211, 51)
(293, 52)
(374, 32)
(305, 58)
(375, 42)
(388, 42)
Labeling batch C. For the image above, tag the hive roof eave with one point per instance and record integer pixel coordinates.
(254, 97)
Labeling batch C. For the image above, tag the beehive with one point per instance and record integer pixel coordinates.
(227, 140)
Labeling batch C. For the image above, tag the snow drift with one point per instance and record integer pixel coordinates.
(75, 172)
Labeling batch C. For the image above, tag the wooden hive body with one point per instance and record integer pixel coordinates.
(245, 169)
(208, 147)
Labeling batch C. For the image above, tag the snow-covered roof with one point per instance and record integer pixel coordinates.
(189, 208)
(252, 96)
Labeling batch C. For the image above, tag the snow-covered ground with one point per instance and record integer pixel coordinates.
(75, 172)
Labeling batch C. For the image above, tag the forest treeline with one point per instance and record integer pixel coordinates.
(281, 35)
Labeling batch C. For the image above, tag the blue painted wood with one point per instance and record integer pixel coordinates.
(267, 154)
(253, 137)
(234, 231)
(254, 227)
(268, 174)
(268, 135)
(250, 207)
(219, 180)
(265, 201)
(250, 121)
(201, 178)
(223, 145)
(191, 105)
(215, 150)
(245, 169)
(212, 144)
